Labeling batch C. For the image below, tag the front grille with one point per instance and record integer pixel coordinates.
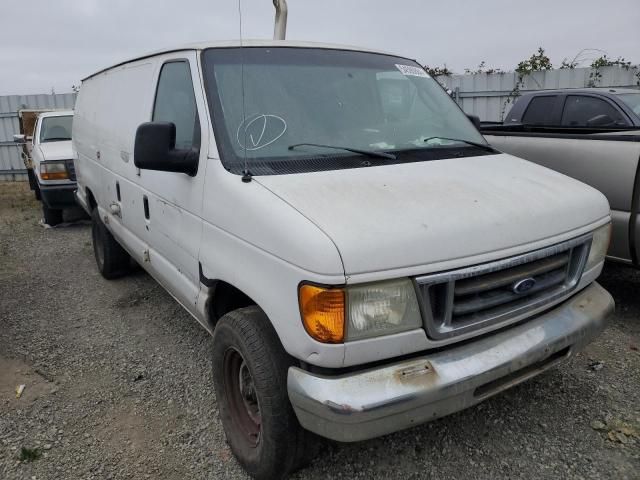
(508, 290)
(71, 169)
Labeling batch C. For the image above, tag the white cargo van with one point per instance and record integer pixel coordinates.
(363, 258)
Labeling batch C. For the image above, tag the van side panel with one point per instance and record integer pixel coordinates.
(109, 108)
(158, 220)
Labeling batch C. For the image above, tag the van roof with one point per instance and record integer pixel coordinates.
(244, 43)
(57, 113)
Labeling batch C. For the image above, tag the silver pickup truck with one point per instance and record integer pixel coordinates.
(592, 135)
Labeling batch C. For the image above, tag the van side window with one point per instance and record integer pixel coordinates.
(176, 103)
(540, 111)
(583, 111)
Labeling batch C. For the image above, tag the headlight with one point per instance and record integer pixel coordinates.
(333, 315)
(53, 171)
(381, 309)
(599, 246)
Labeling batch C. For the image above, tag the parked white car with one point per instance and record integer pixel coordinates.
(51, 161)
(363, 258)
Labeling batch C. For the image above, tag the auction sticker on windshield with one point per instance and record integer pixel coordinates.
(411, 70)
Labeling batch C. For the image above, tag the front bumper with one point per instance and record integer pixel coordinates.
(58, 196)
(369, 403)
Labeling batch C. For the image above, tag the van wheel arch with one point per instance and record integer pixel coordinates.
(91, 199)
(224, 298)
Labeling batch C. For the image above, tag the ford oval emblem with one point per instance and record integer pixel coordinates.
(523, 286)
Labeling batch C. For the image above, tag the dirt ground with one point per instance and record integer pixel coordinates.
(118, 385)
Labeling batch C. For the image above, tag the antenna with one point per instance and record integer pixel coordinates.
(246, 174)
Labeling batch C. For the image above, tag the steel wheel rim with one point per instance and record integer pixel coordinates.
(241, 396)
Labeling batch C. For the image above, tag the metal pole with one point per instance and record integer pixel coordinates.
(280, 27)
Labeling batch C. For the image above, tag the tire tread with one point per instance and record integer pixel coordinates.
(290, 446)
(116, 260)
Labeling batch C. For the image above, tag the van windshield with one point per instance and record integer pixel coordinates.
(337, 98)
(56, 129)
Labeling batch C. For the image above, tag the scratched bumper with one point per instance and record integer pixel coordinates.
(374, 402)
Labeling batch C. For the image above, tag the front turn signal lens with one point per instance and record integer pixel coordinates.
(53, 171)
(322, 310)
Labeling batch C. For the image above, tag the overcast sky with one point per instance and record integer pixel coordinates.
(48, 44)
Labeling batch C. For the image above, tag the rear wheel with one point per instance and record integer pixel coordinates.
(250, 375)
(112, 259)
(52, 216)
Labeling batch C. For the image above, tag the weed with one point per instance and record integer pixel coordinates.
(29, 454)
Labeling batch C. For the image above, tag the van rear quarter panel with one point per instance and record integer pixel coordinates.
(109, 109)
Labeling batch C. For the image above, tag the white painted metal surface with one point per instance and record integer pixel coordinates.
(266, 236)
(608, 165)
(388, 218)
(243, 43)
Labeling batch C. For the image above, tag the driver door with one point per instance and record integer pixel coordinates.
(172, 202)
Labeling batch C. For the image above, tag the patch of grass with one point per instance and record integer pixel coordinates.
(29, 454)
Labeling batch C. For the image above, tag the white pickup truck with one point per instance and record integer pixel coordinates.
(364, 260)
(52, 171)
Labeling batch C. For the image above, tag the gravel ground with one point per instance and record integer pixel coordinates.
(118, 385)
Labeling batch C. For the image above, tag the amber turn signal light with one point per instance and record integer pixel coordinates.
(53, 171)
(54, 175)
(322, 311)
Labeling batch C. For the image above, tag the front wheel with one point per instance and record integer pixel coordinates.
(250, 375)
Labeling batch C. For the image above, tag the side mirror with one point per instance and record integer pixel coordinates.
(475, 120)
(155, 149)
(20, 138)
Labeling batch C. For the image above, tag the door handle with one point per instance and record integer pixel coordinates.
(145, 204)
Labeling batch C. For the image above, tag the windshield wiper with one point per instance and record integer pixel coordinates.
(368, 153)
(484, 146)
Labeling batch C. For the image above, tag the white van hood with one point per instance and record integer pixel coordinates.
(61, 150)
(412, 214)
